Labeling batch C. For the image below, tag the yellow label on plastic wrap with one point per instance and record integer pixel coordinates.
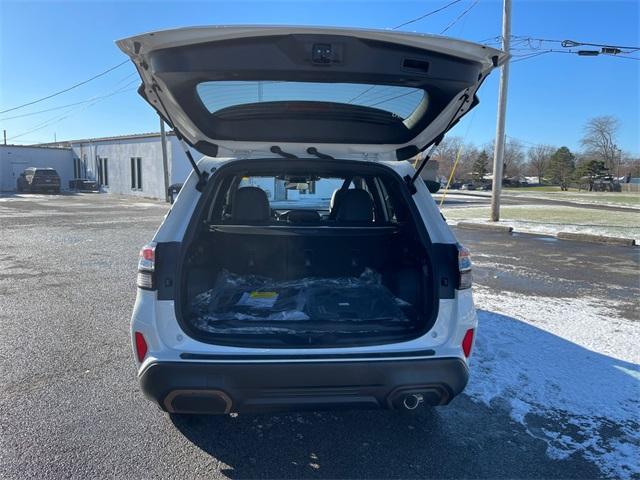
(263, 294)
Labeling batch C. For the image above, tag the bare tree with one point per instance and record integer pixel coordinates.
(599, 141)
(445, 154)
(538, 159)
(513, 158)
(630, 165)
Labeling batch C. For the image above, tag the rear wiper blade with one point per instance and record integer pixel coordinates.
(314, 151)
(278, 151)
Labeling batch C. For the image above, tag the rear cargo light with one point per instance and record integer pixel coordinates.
(467, 342)
(464, 268)
(141, 346)
(146, 266)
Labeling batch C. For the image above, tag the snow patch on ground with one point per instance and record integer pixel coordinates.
(568, 369)
(554, 228)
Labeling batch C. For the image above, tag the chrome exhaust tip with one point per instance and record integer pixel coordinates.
(412, 401)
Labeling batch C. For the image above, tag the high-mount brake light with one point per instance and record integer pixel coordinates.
(464, 268)
(146, 266)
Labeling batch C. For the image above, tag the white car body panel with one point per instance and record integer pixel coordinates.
(166, 339)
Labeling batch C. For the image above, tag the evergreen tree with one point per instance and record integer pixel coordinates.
(591, 170)
(480, 167)
(561, 167)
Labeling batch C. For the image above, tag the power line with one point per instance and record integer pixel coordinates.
(455, 20)
(66, 89)
(64, 116)
(48, 109)
(392, 98)
(63, 106)
(534, 53)
(428, 14)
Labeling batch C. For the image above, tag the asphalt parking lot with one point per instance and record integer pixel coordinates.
(70, 404)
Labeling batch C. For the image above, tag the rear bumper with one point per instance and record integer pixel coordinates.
(45, 186)
(198, 387)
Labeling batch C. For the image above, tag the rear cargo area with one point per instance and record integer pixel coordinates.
(258, 272)
(307, 287)
(309, 306)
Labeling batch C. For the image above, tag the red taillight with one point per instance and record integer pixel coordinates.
(464, 268)
(146, 266)
(148, 252)
(467, 342)
(141, 346)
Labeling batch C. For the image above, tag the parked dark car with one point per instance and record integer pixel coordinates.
(39, 180)
(173, 191)
(83, 185)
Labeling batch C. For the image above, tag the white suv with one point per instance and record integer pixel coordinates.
(304, 263)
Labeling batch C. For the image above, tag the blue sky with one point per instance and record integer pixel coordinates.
(48, 46)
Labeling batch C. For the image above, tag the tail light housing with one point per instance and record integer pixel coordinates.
(467, 342)
(465, 278)
(146, 267)
(141, 346)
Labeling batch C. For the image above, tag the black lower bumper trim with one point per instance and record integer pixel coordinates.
(199, 387)
(311, 356)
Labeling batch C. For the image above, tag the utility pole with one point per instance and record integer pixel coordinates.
(498, 151)
(165, 163)
(4, 132)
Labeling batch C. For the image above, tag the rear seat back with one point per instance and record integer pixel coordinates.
(251, 206)
(291, 255)
(355, 206)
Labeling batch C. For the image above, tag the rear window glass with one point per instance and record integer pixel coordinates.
(400, 101)
(318, 195)
(305, 194)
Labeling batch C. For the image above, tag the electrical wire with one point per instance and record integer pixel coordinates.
(428, 14)
(66, 89)
(393, 98)
(455, 20)
(63, 106)
(58, 119)
(519, 58)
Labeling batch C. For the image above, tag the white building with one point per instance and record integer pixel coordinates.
(130, 164)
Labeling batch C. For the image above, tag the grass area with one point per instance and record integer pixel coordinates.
(538, 188)
(552, 219)
(628, 199)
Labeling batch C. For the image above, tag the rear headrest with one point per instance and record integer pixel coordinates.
(355, 206)
(303, 216)
(336, 197)
(250, 205)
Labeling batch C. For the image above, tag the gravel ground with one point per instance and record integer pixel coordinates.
(70, 404)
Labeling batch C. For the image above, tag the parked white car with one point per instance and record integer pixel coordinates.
(302, 265)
